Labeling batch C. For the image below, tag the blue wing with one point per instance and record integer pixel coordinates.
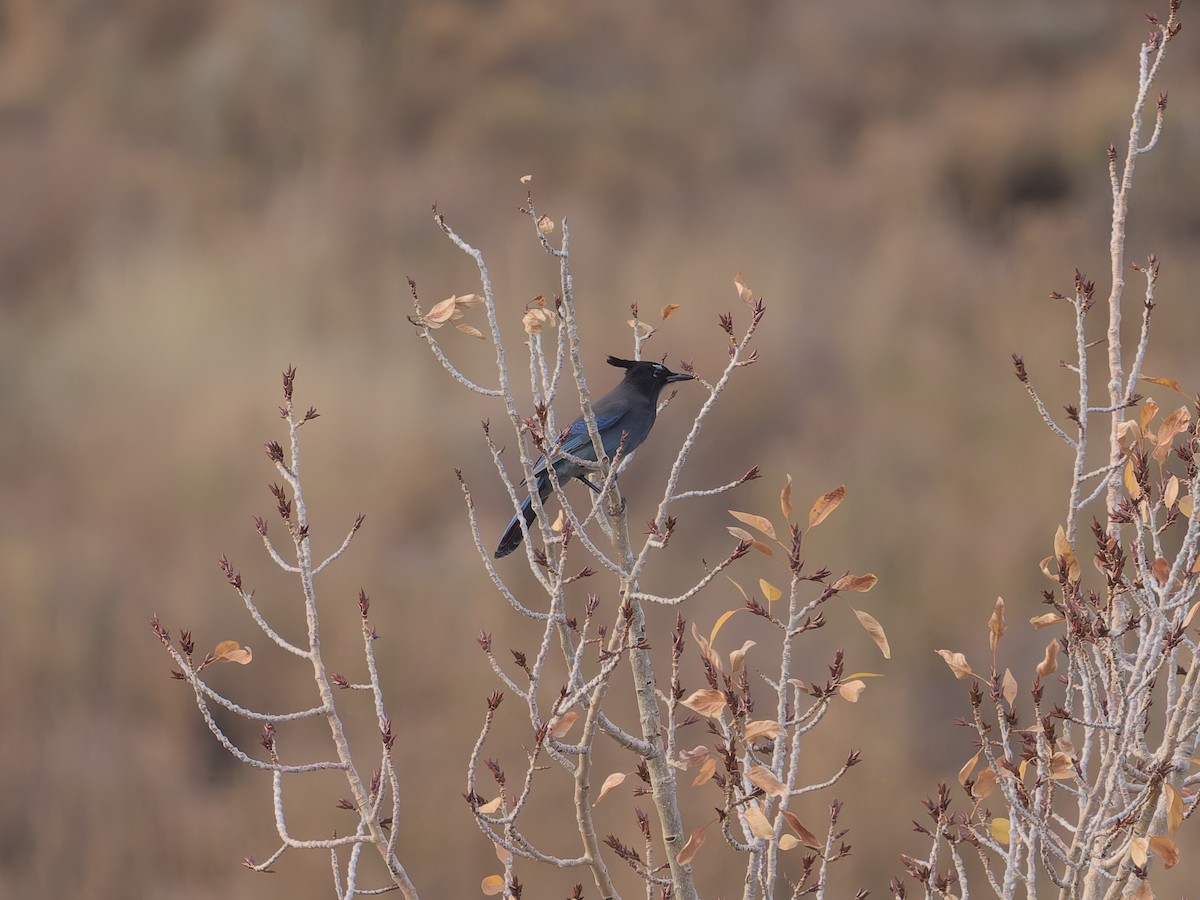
(579, 443)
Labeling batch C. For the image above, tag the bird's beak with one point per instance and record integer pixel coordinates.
(679, 376)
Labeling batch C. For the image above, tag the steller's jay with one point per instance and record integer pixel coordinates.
(629, 409)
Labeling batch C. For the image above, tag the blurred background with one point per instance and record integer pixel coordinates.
(196, 195)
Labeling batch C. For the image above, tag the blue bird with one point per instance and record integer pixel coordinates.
(628, 409)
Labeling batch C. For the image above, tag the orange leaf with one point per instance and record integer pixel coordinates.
(231, 651)
(968, 767)
(694, 842)
(1010, 688)
(1046, 620)
(492, 885)
(1065, 555)
(825, 505)
(1174, 808)
(560, 725)
(1146, 416)
(1165, 382)
(610, 782)
(669, 310)
(707, 770)
(725, 616)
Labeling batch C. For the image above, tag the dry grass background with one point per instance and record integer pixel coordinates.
(197, 194)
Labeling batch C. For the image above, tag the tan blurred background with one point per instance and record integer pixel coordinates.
(195, 195)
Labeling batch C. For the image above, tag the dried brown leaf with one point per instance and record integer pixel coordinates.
(1046, 620)
(984, 785)
(1174, 808)
(763, 728)
(785, 500)
(958, 664)
(491, 806)
(1171, 491)
(1065, 554)
(996, 625)
(470, 331)
(710, 654)
(560, 725)
(1165, 382)
(669, 310)
(809, 839)
(826, 504)
(694, 842)
(492, 885)
(1165, 849)
(1049, 663)
(737, 657)
(787, 842)
(757, 822)
(875, 630)
(231, 651)
(968, 767)
(1138, 850)
(760, 523)
(694, 757)
(707, 702)
(852, 690)
(859, 584)
(761, 776)
(744, 293)
(1010, 688)
(612, 781)
(1146, 416)
(707, 770)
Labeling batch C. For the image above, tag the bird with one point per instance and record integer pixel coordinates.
(629, 409)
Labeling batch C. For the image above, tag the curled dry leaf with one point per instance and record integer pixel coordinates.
(1174, 807)
(737, 657)
(875, 630)
(560, 725)
(1145, 417)
(725, 617)
(984, 785)
(1165, 382)
(1138, 848)
(761, 523)
(1131, 483)
(1171, 491)
(958, 664)
(612, 781)
(852, 690)
(744, 293)
(231, 651)
(743, 535)
(1129, 433)
(1061, 766)
(1065, 554)
(1000, 829)
(525, 179)
(707, 770)
(641, 329)
(757, 822)
(470, 331)
(968, 767)
(492, 885)
(1009, 687)
(763, 728)
(1049, 663)
(707, 702)
(1175, 424)
(785, 499)
(714, 658)
(761, 776)
(669, 310)
(492, 806)
(694, 842)
(535, 318)
(859, 584)
(1046, 620)
(546, 225)
(1165, 849)
(694, 757)
(996, 625)
(809, 839)
(825, 505)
